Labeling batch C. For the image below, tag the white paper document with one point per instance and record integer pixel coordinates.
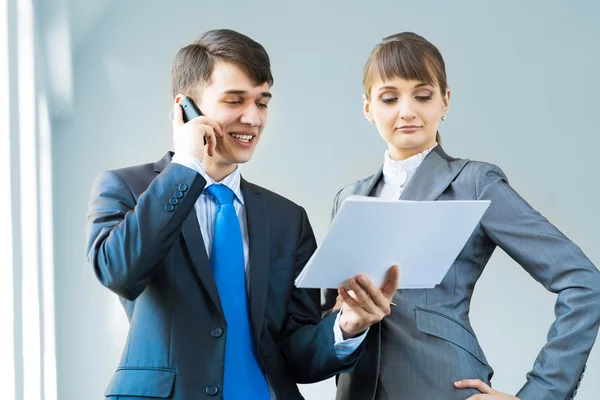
(369, 235)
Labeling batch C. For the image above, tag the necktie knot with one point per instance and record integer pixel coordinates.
(221, 193)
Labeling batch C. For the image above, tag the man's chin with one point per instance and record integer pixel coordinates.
(237, 156)
(240, 159)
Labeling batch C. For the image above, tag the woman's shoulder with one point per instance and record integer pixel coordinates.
(479, 175)
(356, 186)
(468, 166)
(482, 169)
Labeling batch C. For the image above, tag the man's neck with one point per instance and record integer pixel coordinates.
(216, 171)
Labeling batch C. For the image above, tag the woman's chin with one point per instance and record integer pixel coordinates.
(410, 144)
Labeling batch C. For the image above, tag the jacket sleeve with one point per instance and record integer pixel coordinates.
(562, 268)
(126, 237)
(307, 342)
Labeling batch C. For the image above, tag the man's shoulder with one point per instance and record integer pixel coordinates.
(136, 178)
(135, 172)
(142, 172)
(273, 199)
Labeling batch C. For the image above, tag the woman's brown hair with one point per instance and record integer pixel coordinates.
(407, 56)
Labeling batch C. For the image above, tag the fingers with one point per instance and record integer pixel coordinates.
(370, 296)
(391, 283)
(200, 125)
(364, 297)
(475, 384)
(338, 303)
(202, 120)
(352, 294)
(211, 140)
(349, 300)
(478, 397)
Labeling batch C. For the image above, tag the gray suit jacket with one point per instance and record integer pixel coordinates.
(427, 342)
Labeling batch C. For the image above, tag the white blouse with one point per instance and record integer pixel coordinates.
(396, 175)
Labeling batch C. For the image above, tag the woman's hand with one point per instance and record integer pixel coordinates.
(487, 393)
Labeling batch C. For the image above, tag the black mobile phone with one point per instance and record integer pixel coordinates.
(190, 110)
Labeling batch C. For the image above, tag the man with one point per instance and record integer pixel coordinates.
(204, 262)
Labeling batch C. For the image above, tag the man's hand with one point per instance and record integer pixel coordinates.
(367, 304)
(487, 392)
(189, 137)
(339, 302)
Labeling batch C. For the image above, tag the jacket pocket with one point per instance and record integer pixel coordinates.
(143, 382)
(445, 327)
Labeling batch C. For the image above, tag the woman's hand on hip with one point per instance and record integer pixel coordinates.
(487, 393)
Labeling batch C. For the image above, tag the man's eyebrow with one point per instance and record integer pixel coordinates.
(244, 92)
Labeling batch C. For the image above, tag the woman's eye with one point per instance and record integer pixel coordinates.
(388, 100)
(423, 98)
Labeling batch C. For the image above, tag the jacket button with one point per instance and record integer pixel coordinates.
(182, 187)
(178, 195)
(216, 332)
(169, 207)
(173, 201)
(211, 390)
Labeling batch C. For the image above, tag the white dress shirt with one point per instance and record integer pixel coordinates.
(206, 208)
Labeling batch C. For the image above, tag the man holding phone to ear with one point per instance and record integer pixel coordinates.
(204, 262)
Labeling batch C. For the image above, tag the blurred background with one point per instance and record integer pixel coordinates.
(85, 86)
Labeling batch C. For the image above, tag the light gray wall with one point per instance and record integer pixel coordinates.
(525, 96)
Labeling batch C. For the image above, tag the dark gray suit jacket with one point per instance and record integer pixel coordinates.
(427, 342)
(150, 252)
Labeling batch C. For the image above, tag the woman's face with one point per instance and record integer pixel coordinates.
(407, 114)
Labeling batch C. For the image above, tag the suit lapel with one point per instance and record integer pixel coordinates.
(195, 245)
(365, 187)
(433, 176)
(258, 237)
(197, 249)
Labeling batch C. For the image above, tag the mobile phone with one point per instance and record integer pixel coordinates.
(190, 110)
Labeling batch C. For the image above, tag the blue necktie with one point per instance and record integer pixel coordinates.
(243, 378)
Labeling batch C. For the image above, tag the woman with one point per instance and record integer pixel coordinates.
(426, 348)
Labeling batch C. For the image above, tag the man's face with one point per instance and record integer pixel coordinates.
(239, 107)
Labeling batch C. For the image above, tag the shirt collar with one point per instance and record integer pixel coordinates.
(232, 181)
(398, 172)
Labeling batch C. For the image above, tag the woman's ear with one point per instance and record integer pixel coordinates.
(366, 109)
(446, 100)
